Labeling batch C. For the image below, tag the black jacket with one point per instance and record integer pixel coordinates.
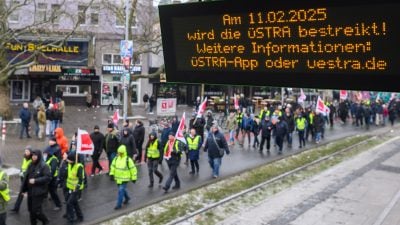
(111, 142)
(290, 122)
(211, 145)
(129, 142)
(138, 134)
(54, 150)
(281, 128)
(266, 128)
(41, 173)
(98, 139)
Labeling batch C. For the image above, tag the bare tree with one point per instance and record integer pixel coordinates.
(146, 35)
(40, 28)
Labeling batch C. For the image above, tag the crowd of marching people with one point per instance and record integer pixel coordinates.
(59, 166)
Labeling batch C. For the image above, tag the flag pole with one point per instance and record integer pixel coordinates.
(76, 149)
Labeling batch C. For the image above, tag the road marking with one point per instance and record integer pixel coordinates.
(387, 210)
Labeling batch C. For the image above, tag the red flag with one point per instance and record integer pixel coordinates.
(236, 102)
(84, 143)
(179, 133)
(343, 94)
(321, 107)
(202, 108)
(115, 117)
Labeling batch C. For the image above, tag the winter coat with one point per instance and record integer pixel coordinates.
(266, 128)
(318, 123)
(256, 127)
(290, 122)
(98, 139)
(25, 115)
(129, 141)
(164, 135)
(41, 116)
(138, 135)
(175, 125)
(111, 142)
(281, 128)
(62, 141)
(231, 123)
(247, 123)
(211, 145)
(198, 126)
(49, 115)
(194, 154)
(209, 122)
(41, 173)
(54, 150)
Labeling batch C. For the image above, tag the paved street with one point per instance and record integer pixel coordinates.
(364, 190)
(100, 196)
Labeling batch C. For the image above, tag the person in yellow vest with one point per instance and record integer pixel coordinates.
(123, 170)
(194, 143)
(26, 161)
(172, 153)
(301, 124)
(74, 184)
(52, 161)
(4, 196)
(239, 120)
(152, 157)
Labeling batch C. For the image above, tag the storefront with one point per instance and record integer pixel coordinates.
(64, 67)
(111, 85)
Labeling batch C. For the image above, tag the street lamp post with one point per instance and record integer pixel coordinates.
(126, 82)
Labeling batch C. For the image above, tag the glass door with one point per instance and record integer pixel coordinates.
(20, 90)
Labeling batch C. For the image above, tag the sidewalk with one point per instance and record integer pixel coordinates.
(364, 190)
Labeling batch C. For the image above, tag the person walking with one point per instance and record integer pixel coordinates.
(318, 126)
(301, 124)
(4, 196)
(146, 101)
(123, 170)
(74, 184)
(152, 157)
(216, 146)
(266, 130)
(36, 185)
(62, 141)
(111, 143)
(49, 120)
(25, 116)
(239, 127)
(281, 129)
(52, 161)
(26, 161)
(152, 103)
(97, 138)
(138, 135)
(172, 153)
(42, 122)
(194, 143)
(231, 125)
(289, 119)
(256, 131)
(128, 140)
(61, 108)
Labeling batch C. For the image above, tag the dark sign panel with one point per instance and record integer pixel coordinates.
(73, 53)
(78, 72)
(352, 44)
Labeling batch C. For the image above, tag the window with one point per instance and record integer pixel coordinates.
(81, 14)
(111, 59)
(14, 16)
(74, 90)
(40, 15)
(20, 90)
(55, 13)
(94, 15)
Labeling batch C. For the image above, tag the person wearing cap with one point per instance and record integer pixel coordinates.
(4, 196)
(35, 184)
(74, 183)
(172, 153)
(111, 143)
(152, 157)
(25, 116)
(123, 170)
(97, 138)
(216, 146)
(194, 143)
(26, 161)
(301, 125)
(52, 161)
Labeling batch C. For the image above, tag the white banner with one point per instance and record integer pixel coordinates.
(166, 106)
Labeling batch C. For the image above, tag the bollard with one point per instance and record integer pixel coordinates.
(3, 130)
